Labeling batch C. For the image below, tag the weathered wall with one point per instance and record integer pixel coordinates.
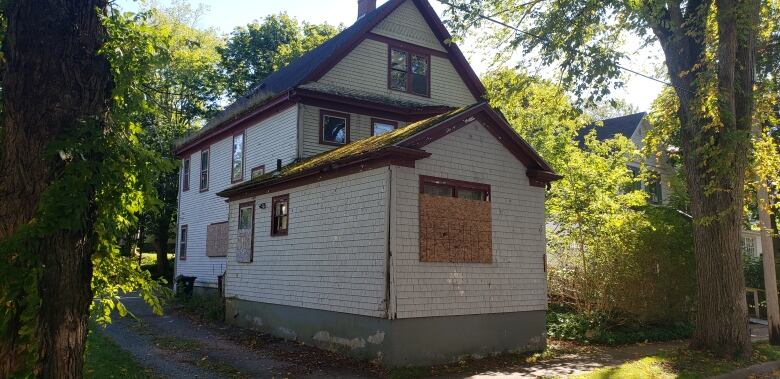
(333, 257)
(515, 280)
(271, 139)
(406, 23)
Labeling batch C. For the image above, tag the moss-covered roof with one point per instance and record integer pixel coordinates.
(350, 151)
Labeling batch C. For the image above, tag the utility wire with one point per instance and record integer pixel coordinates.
(574, 51)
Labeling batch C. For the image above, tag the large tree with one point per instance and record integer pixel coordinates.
(707, 45)
(256, 50)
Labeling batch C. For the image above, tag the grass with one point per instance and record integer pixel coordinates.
(104, 359)
(684, 364)
(207, 307)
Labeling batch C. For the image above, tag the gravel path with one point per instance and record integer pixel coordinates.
(175, 346)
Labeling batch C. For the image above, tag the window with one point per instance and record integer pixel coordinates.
(204, 170)
(280, 215)
(258, 171)
(183, 243)
(749, 246)
(334, 128)
(409, 72)
(382, 126)
(246, 227)
(185, 175)
(237, 173)
(454, 188)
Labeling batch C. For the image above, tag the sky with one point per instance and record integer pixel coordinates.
(224, 15)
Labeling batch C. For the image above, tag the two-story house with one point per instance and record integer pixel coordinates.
(366, 198)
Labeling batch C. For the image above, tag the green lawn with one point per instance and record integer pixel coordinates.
(684, 364)
(104, 359)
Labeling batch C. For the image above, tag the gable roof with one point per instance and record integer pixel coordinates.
(318, 61)
(611, 127)
(400, 146)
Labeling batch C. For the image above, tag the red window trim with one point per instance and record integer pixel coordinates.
(409, 52)
(274, 200)
(186, 242)
(186, 174)
(383, 121)
(455, 184)
(208, 170)
(255, 169)
(249, 204)
(324, 113)
(233, 156)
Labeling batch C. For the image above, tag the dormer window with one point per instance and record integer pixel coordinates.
(409, 72)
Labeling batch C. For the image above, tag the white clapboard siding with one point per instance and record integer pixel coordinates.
(271, 139)
(365, 69)
(406, 23)
(360, 128)
(515, 281)
(333, 257)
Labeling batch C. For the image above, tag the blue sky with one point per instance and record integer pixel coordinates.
(224, 15)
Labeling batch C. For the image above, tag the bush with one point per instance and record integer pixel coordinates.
(208, 307)
(599, 328)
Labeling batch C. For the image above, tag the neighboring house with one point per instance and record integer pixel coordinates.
(635, 127)
(366, 198)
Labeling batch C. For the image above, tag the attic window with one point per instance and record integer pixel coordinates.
(409, 72)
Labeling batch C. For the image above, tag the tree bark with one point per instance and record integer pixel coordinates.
(768, 256)
(53, 80)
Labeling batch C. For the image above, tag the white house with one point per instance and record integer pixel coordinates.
(366, 198)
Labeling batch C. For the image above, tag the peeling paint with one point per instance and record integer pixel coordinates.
(377, 338)
(354, 343)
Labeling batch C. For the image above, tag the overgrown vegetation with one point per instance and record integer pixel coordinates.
(205, 307)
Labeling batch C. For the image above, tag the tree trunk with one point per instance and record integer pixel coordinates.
(768, 256)
(53, 81)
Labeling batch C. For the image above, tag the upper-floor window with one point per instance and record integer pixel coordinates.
(258, 171)
(237, 173)
(409, 72)
(185, 174)
(334, 128)
(382, 126)
(204, 169)
(280, 215)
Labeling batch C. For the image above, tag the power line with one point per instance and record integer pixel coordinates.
(518, 30)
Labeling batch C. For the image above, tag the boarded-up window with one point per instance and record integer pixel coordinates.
(246, 226)
(217, 240)
(455, 222)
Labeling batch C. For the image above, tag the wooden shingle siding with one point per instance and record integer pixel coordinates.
(365, 69)
(271, 139)
(360, 127)
(515, 280)
(407, 24)
(333, 257)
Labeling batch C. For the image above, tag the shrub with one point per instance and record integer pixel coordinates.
(208, 307)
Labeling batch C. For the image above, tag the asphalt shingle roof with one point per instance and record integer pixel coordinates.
(623, 125)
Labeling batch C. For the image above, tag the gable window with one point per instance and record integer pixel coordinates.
(280, 215)
(409, 72)
(454, 188)
(246, 227)
(382, 126)
(204, 169)
(183, 243)
(185, 175)
(237, 172)
(334, 128)
(258, 171)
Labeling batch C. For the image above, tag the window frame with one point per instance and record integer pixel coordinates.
(186, 168)
(277, 199)
(382, 121)
(251, 205)
(255, 169)
(455, 184)
(207, 170)
(233, 178)
(326, 113)
(409, 50)
(183, 231)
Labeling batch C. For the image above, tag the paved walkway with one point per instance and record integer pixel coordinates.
(175, 346)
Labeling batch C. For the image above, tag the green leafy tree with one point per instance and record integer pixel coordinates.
(254, 51)
(709, 49)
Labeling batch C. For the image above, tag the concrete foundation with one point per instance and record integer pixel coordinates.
(399, 342)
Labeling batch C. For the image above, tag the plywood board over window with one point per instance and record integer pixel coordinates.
(453, 229)
(217, 240)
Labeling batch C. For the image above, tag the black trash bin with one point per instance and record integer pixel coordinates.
(184, 284)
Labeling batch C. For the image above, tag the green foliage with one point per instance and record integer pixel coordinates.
(149, 263)
(754, 271)
(256, 50)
